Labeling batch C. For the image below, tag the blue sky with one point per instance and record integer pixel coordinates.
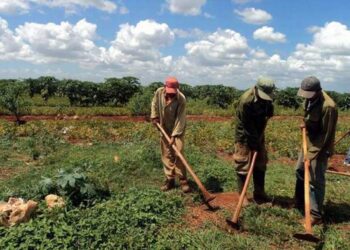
(230, 42)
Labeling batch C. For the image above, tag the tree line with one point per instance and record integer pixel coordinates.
(129, 91)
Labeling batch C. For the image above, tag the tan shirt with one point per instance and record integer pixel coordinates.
(172, 116)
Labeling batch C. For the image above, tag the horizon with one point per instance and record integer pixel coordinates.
(230, 42)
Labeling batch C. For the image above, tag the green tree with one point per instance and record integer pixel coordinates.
(118, 91)
(12, 99)
(45, 86)
(288, 98)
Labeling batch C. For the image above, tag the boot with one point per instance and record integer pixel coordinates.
(168, 185)
(184, 185)
(259, 187)
(240, 184)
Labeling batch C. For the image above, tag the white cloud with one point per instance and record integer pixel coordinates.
(14, 6)
(190, 33)
(140, 42)
(209, 16)
(11, 46)
(254, 16)
(60, 42)
(186, 7)
(219, 48)
(327, 56)
(70, 6)
(268, 34)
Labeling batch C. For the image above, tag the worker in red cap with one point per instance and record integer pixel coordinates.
(168, 109)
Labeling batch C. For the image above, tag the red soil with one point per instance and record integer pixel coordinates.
(128, 118)
(197, 216)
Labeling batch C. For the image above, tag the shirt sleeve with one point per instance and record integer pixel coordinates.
(180, 122)
(155, 106)
(326, 137)
(250, 130)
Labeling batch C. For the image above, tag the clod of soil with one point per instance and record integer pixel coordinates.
(198, 216)
(116, 158)
(336, 163)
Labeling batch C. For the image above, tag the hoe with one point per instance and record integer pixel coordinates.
(308, 235)
(334, 172)
(206, 195)
(234, 221)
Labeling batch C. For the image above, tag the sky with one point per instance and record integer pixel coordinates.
(230, 42)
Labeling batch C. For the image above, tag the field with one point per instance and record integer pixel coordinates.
(122, 159)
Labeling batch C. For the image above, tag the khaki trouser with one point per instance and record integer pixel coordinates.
(172, 164)
(243, 156)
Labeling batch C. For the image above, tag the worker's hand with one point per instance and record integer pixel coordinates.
(155, 121)
(172, 140)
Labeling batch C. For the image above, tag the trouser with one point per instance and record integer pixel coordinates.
(347, 158)
(173, 166)
(243, 156)
(242, 160)
(318, 167)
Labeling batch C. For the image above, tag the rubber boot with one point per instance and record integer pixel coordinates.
(240, 184)
(259, 187)
(184, 185)
(168, 185)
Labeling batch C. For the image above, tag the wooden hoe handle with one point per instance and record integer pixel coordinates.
(308, 227)
(245, 188)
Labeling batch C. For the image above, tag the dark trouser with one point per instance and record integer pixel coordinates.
(242, 160)
(317, 183)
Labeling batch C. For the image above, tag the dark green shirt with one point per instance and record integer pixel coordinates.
(320, 121)
(252, 114)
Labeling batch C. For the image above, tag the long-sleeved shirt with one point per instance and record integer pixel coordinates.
(172, 116)
(321, 120)
(252, 114)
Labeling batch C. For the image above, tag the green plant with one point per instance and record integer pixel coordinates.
(72, 184)
(140, 103)
(11, 98)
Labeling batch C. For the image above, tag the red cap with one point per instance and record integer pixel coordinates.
(171, 85)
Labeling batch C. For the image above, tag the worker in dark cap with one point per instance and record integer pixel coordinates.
(252, 113)
(320, 118)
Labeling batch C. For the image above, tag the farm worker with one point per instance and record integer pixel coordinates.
(320, 117)
(252, 113)
(168, 109)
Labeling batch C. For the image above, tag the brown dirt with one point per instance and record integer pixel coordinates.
(6, 173)
(131, 118)
(198, 216)
(336, 164)
(225, 156)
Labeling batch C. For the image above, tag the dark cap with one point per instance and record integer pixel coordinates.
(309, 87)
(265, 87)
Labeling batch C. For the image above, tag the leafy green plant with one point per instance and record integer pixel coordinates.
(140, 103)
(75, 185)
(12, 99)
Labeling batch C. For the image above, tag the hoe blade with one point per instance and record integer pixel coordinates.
(306, 237)
(234, 225)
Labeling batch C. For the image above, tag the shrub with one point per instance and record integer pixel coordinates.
(11, 98)
(75, 185)
(140, 103)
